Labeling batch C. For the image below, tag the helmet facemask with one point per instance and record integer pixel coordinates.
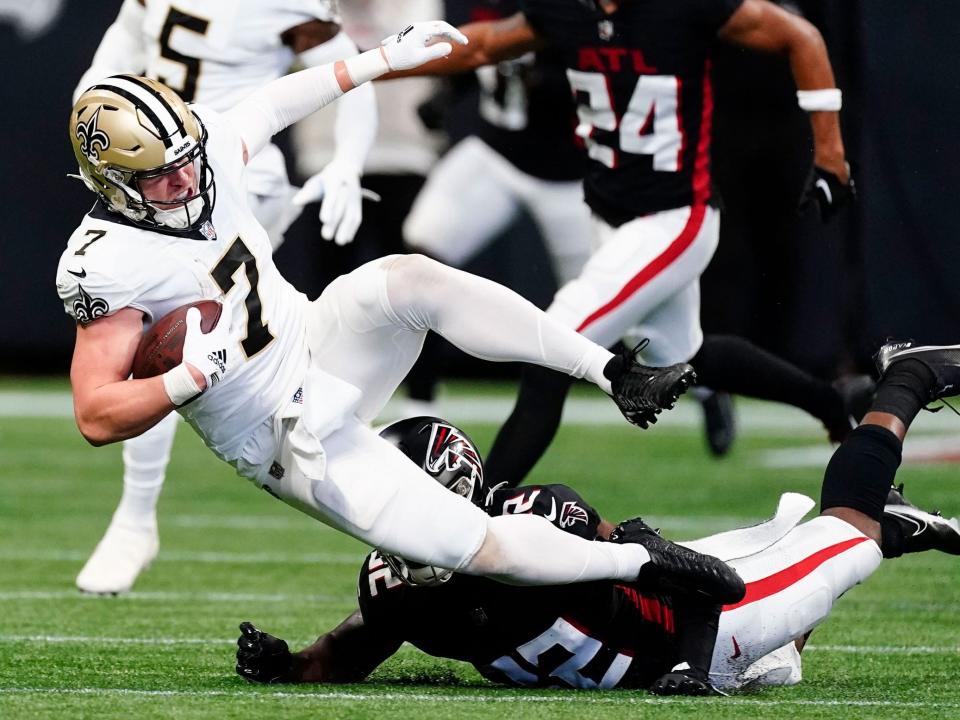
(193, 206)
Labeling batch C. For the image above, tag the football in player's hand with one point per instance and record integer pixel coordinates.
(161, 347)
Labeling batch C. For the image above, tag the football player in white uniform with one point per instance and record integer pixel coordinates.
(216, 52)
(283, 388)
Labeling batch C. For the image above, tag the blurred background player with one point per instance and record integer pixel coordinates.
(217, 52)
(645, 109)
(514, 152)
(396, 166)
(605, 635)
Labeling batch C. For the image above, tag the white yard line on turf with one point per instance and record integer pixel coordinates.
(217, 558)
(225, 597)
(494, 696)
(752, 416)
(101, 640)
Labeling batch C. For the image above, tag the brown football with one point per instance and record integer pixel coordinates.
(161, 347)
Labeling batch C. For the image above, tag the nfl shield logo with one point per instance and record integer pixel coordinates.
(605, 29)
(207, 231)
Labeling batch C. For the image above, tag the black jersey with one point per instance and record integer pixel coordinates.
(641, 77)
(585, 635)
(525, 107)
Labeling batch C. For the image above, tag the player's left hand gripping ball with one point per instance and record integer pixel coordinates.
(261, 657)
(417, 44)
(211, 353)
(829, 191)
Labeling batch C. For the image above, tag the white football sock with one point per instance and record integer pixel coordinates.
(145, 460)
(529, 550)
(488, 320)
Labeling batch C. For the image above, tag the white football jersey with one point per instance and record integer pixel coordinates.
(216, 52)
(110, 264)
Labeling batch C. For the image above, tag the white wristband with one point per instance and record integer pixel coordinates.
(828, 99)
(367, 66)
(180, 385)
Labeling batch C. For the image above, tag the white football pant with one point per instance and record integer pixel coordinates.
(473, 194)
(791, 587)
(643, 280)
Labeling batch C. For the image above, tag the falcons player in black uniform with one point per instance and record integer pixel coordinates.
(640, 635)
(640, 71)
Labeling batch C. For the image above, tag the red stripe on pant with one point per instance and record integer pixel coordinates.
(655, 267)
(765, 587)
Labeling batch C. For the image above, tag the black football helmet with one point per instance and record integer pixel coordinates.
(448, 455)
(444, 451)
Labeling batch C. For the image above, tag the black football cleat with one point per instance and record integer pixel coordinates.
(261, 657)
(719, 422)
(856, 392)
(942, 360)
(686, 681)
(908, 529)
(642, 392)
(674, 568)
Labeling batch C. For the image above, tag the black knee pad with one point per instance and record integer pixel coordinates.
(861, 471)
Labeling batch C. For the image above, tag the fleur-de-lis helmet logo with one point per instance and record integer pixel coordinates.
(92, 139)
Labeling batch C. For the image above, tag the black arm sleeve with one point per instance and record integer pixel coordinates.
(559, 504)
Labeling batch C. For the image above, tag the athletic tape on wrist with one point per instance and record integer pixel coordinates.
(828, 99)
(367, 66)
(180, 385)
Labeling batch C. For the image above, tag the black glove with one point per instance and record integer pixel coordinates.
(261, 657)
(825, 188)
(687, 681)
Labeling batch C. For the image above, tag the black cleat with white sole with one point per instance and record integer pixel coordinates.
(942, 360)
(642, 392)
(674, 568)
(908, 529)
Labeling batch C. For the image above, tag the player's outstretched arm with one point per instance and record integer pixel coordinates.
(346, 654)
(283, 102)
(490, 41)
(120, 51)
(763, 26)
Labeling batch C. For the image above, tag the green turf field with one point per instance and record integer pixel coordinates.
(230, 553)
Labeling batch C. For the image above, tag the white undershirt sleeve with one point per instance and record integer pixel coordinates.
(280, 103)
(356, 126)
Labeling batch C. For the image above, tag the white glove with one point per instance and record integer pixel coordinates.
(413, 46)
(341, 210)
(211, 353)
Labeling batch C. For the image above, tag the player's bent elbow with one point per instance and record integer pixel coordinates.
(95, 431)
(94, 435)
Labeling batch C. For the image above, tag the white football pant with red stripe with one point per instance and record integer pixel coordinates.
(643, 280)
(474, 193)
(791, 587)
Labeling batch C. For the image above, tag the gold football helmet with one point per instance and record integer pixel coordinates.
(128, 129)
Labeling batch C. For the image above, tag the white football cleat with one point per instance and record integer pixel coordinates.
(780, 668)
(121, 555)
